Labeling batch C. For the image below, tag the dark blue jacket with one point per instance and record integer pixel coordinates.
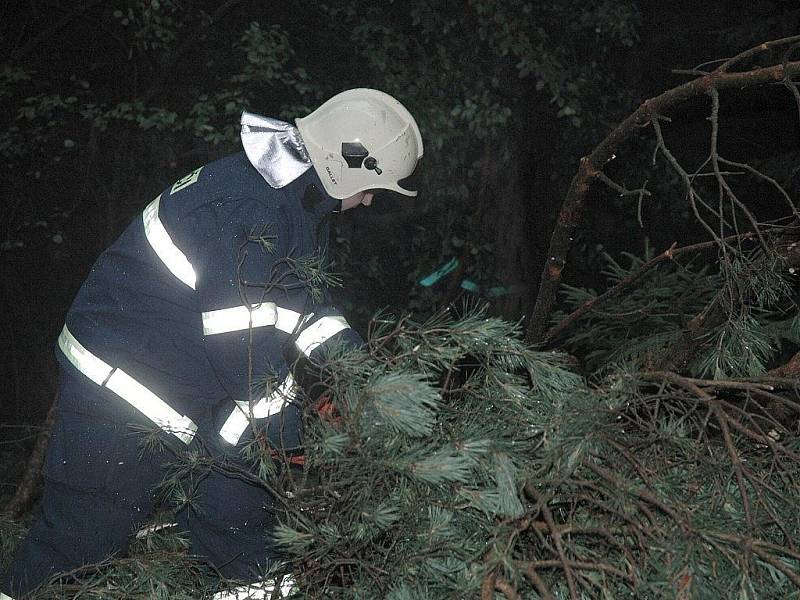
(199, 300)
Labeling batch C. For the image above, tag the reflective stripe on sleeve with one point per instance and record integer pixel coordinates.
(239, 418)
(127, 388)
(267, 314)
(240, 318)
(319, 332)
(288, 320)
(165, 248)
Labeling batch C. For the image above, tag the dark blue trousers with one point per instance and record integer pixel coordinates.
(98, 491)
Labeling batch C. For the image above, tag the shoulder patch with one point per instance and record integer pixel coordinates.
(186, 181)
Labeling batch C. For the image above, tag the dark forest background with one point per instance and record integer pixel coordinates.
(104, 103)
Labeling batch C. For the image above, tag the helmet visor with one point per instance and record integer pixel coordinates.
(410, 185)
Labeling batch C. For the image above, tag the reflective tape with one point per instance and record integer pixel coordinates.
(165, 248)
(239, 419)
(87, 363)
(151, 529)
(258, 591)
(319, 332)
(240, 318)
(127, 388)
(289, 320)
(267, 314)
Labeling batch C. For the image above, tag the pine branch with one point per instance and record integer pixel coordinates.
(488, 587)
(682, 352)
(508, 590)
(578, 565)
(531, 491)
(538, 583)
(668, 254)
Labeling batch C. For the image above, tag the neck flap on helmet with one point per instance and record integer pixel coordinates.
(274, 148)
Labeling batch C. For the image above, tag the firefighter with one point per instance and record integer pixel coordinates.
(201, 297)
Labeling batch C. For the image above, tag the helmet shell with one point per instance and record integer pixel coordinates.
(362, 139)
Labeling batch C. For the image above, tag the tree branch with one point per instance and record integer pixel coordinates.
(538, 582)
(591, 304)
(531, 491)
(26, 490)
(725, 66)
(591, 165)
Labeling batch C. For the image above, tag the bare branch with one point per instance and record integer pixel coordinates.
(591, 165)
(622, 191)
(724, 188)
(25, 493)
(582, 565)
(508, 590)
(725, 66)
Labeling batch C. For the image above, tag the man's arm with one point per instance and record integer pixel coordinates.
(260, 319)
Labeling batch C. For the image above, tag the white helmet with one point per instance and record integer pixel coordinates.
(360, 140)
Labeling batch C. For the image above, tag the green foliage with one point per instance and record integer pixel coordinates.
(268, 52)
(181, 77)
(11, 76)
(152, 32)
(457, 454)
(154, 25)
(421, 461)
(634, 325)
(158, 567)
(455, 447)
(263, 236)
(403, 402)
(660, 448)
(632, 471)
(314, 273)
(741, 348)
(634, 328)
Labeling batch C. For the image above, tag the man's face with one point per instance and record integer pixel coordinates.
(364, 198)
